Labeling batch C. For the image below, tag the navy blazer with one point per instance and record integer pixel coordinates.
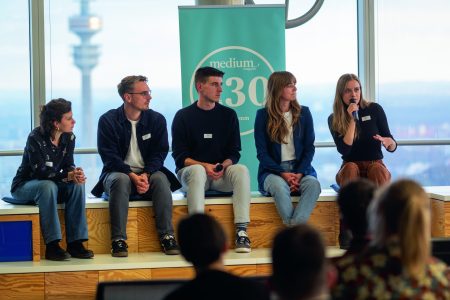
(269, 152)
(113, 141)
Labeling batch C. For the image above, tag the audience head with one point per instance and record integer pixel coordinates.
(202, 240)
(402, 211)
(126, 85)
(280, 86)
(51, 113)
(202, 74)
(353, 200)
(299, 263)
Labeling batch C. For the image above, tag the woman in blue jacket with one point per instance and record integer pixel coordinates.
(284, 138)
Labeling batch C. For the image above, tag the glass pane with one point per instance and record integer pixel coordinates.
(412, 61)
(319, 52)
(15, 111)
(90, 49)
(7, 172)
(429, 165)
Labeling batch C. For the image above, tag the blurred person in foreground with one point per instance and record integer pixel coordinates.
(203, 243)
(300, 267)
(398, 263)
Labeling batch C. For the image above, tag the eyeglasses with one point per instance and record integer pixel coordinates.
(143, 94)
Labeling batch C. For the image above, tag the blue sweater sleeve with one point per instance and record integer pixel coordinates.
(307, 141)
(263, 143)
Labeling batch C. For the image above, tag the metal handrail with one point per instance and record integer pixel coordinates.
(437, 142)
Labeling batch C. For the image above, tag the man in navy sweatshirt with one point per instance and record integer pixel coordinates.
(206, 144)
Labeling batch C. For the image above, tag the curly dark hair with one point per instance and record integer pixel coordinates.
(51, 112)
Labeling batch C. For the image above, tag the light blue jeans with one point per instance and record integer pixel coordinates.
(236, 179)
(47, 194)
(280, 191)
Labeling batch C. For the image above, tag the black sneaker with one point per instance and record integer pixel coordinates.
(76, 249)
(119, 248)
(169, 245)
(242, 242)
(54, 252)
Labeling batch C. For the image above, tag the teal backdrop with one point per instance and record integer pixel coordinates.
(245, 42)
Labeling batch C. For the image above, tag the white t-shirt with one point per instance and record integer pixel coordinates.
(288, 150)
(134, 158)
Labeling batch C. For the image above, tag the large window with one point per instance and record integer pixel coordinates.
(15, 111)
(88, 49)
(413, 84)
(119, 39)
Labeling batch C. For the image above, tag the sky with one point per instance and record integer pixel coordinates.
(143, 38)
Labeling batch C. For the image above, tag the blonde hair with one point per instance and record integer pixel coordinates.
(276, 126)
(402, 211)
(341, 119)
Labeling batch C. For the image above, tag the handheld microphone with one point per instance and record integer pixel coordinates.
(218, 168)
(355, 113)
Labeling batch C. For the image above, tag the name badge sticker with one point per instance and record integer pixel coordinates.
(207, 136)
(365, 118)
(146, 136)
(49, 164)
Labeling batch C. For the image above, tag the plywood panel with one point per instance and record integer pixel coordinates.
(99, 229)
(265, 223)
(224, 214)
(447, 218)
(62, 223)
(242, 270)
(325, 217)
(35, 230)
(148, 239)
(22, 286)
(173, 273)
(123, 275)
(264, 269)
(147, 235)
(437, 218)
(71, 285)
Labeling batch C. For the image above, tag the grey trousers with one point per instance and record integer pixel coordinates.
(119, 188)
(236, 179)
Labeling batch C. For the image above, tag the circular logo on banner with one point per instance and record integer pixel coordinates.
(244, 84)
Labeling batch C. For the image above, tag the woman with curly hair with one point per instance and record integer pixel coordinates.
(48, 176)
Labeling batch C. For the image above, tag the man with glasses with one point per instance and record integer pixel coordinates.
(132, 142)
(206, 144)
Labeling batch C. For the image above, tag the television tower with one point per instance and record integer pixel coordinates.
(85, 57)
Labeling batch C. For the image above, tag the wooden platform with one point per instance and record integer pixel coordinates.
(77, 279)
(142, 235)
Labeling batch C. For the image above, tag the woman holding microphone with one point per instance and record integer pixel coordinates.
(359, 129)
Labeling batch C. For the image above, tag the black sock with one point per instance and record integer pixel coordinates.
(241, 226)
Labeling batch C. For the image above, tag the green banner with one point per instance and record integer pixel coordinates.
(245, 42)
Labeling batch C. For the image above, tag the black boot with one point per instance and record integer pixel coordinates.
(77, 250)
(54, 252)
